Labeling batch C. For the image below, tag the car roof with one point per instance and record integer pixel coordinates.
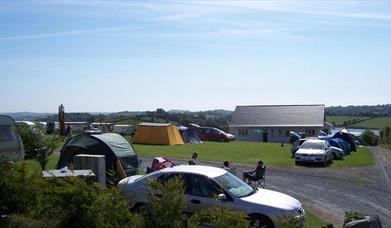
(315, 140)
(208, 171)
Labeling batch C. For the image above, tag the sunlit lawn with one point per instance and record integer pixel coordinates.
(245, 153)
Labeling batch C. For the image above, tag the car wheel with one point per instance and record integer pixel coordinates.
(222, 140)
(261, 221)
(325, 162)
(297, 163)
(333, 156)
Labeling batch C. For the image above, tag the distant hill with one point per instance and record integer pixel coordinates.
(363, 110)
(30, 116)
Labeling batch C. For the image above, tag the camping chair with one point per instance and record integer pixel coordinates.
(260, 183)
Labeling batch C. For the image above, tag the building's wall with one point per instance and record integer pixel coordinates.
(274, 134)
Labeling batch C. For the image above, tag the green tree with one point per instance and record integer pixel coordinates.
(38, 145)
(45, 148)
(166, 203)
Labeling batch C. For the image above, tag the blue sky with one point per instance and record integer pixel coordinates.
(108, 56)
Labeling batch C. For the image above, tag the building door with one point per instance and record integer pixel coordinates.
(264, 136)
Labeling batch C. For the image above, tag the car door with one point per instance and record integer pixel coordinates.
(201, 193)
(328, 150)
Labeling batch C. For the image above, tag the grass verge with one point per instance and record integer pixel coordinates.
(313, 220)
(385, 146)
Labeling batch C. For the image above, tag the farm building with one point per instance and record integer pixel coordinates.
(272, 123)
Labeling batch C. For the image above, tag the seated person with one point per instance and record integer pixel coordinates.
(228, 168)
(256, 174)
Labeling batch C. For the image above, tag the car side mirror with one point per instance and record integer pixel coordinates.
(222, 197)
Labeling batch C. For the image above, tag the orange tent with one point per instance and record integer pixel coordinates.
(157, 134)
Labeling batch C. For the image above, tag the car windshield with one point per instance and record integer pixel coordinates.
(312, 145)
(235, 185)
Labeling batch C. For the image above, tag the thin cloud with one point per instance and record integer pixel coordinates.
(67, 33)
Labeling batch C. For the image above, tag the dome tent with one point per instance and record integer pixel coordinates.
(120, 156)
(189, 135)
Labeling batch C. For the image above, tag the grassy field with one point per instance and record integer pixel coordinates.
(245, 153)
(377, 123)
(339, 120)
(364, 122)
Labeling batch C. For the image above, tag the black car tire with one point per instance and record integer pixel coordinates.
(260, 221)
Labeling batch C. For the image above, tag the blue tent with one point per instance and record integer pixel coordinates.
(189, 135)
(345, 135)
(337, 142)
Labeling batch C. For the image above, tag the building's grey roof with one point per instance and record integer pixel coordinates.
(278, 116)
(155, 124)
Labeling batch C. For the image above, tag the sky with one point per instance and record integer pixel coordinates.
(109, 56)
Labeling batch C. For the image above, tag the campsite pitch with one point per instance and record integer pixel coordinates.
(245, 153)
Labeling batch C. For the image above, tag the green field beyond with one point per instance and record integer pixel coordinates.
(245, 153)
(360, 121)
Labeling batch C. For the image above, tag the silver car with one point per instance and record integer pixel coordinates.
(265, 208)
(314, 151)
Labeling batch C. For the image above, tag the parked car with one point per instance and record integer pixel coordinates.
(265, 208)
(314, 151)
(213, 134)
(337, 153)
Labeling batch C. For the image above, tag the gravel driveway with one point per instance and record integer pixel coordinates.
(331, 192)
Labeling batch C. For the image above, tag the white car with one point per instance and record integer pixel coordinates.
(314, 151)
(265, 208)
(337, 153)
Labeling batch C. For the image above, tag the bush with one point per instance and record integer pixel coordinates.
(352, 216)
(166, 203)
(72, 202)
(27, 222)
(219, 218)
(369, 138)
(18, 190)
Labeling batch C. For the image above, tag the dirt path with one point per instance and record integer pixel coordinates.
(331, 192)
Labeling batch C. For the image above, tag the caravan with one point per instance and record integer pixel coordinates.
(11, 146)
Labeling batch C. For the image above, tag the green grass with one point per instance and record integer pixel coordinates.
(364, 122)
(363, 157)
(33, 165)
(377, 123)
(246, 153)
(339, 120)
(235, 152)
(313, 220)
